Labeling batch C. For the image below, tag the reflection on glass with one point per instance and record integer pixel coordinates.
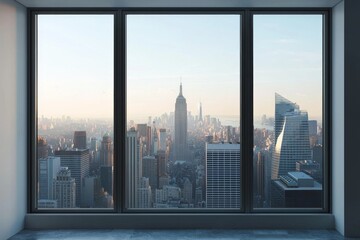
(183, 111)
(75, 111)
(288, 119)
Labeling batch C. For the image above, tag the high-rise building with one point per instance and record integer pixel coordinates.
(282, 106)
(223, 175)
(200, 113)
(80, 139)
(312, 127)
(187, 191)
(292, 143)
(149, 170)
(106, 155)
(106, 178)
(64, 189)
(144, 194)
(78, 161)
(48, 168)
(89, 190)
(93, 144)
(141, 130)
(180, 143)
(162, 139)
(296, 190)
(148, 140)
(42, 148)
(133, 167)
(161, 163)
(260, 179)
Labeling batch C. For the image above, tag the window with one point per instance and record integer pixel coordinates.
(288, 111)
(183, 111)
(75, 85)
(179, 111)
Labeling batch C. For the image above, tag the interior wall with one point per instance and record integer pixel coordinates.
(12, 117)
(338, 116)
(352, 117)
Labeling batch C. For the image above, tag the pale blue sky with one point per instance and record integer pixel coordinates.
(76, 63)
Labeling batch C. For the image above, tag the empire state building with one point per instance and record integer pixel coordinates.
(180, 127)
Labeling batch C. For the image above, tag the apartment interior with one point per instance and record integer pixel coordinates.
(342, 220)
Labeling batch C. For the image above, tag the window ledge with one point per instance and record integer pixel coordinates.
(180, 221)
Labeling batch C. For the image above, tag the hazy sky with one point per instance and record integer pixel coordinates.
(288, 60)
(75, 70)
(75, 65)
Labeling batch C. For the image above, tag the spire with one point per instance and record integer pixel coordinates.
(180, 88)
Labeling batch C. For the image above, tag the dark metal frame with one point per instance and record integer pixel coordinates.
(246, 106)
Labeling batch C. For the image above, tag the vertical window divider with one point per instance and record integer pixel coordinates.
(247, 110)
(120, 110)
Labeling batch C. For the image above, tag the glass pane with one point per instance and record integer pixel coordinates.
(183, 111)
(288, 120)
(75, 111)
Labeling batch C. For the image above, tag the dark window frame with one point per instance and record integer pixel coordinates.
(246, 105)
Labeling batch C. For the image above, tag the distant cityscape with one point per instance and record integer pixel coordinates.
(181, 160)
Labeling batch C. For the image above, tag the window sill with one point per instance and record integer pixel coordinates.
(180, 221)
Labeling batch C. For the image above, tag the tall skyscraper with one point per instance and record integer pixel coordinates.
(200, 112)
(106, 157)
(144, 194)
(292, 143)
(106, 161)
(150, 170)
(180, 146)
(48, 168)
(223, 175)
(64, 188)
(80, 139)
(282, 106)
(78, 161)
(148, 140)
(260, 179)
(133, 167)
(162, 139)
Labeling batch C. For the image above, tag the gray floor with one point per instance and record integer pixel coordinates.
(176, 234)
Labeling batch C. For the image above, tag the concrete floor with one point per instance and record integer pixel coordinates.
(176, 234)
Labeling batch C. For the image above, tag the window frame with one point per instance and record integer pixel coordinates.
(246, 107)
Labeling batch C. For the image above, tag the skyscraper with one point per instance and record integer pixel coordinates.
(200, 113)
(48, 168)
(282, 105)
(180, 146)
(223, 175)
(78, 161)
(106, 161)
(144, 194)
(133, 167)
(42, 148)
(292, 137)
(150, 170)
(80, 139)
(106, 156)
(162, 139)
(64, 188)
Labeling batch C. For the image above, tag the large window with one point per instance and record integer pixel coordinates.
(183, 111)
(75, 78)
(179, 111)
(288, 111)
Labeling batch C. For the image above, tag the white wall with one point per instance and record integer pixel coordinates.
(338, 117)
(12, 117)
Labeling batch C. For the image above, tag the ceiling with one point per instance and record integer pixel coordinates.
(177, 3)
